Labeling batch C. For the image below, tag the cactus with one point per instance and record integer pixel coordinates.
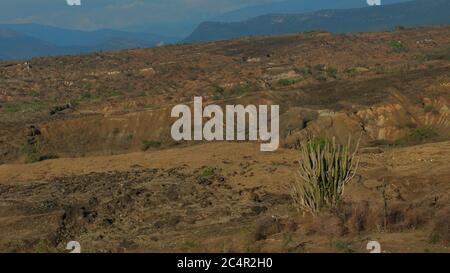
(323, 172)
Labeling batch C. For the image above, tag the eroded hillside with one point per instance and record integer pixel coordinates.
(385, 84)
(86, 152)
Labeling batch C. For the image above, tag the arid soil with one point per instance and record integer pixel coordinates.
(86, 152)
(161, 201)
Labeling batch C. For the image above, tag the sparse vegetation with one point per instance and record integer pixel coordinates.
(244, 88)
(11, 107)
(149, 144)
(332, 72)
(35, 105)
(418, 135)
(325, 167)
(86, 96)
(116, 93)
(288, 82)
(397, 46)
(351, 71)
(379, 69)
(219, 92)
(430, 109)
(343, 247)
(400, 192)
(320, 77)
(239, 89)
(207, 172)
(42, 246)
(438, 55)
(304, 71)
(320, 67)
(32, 153)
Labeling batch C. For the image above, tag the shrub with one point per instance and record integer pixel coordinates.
(116, 93)
(207, 172)
(86, 96)
(351, 71)
(244, 88)
(325, 167)
(397, 46)
(418, 135)
(11, 108)
(147, 144)
(439, 55)
(33, 153)
(320, 67)
(430, 109)
(42, 246)
(332, 72)
(287, 82)
(320, 77)
(219, 92)
(440, 232)
(305, 71)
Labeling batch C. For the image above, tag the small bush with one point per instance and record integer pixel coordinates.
(219, 92)
(440, 55)
(397, 46)
(441, 228)
(86, 96)
(147, 144)
(207, 172)
(11, 108)
(430, 109)
(418, 135)
(304, 71)
(33, 154)
(351, 71)
(218, 89)
(325, 167)
(116, 93)
(42, 246)
(320, 67)
(380, 70)
(320, 77)
(332, 72)
(244, 88)
(288, 82)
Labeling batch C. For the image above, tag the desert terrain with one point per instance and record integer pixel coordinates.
(86, 152)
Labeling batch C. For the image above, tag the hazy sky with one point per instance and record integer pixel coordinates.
(171, 17)
(17, 11)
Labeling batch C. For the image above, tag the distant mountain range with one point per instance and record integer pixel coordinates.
(23, 41)
(377, 18)
(32, 40)
(294, 6)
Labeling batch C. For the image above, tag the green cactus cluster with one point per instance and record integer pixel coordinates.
(323, 172)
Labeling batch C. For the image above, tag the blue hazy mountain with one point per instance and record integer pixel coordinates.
(408, 14)
(69, 37)
(167, 18)
(32, 40)
(14, 45)
(294, 6)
